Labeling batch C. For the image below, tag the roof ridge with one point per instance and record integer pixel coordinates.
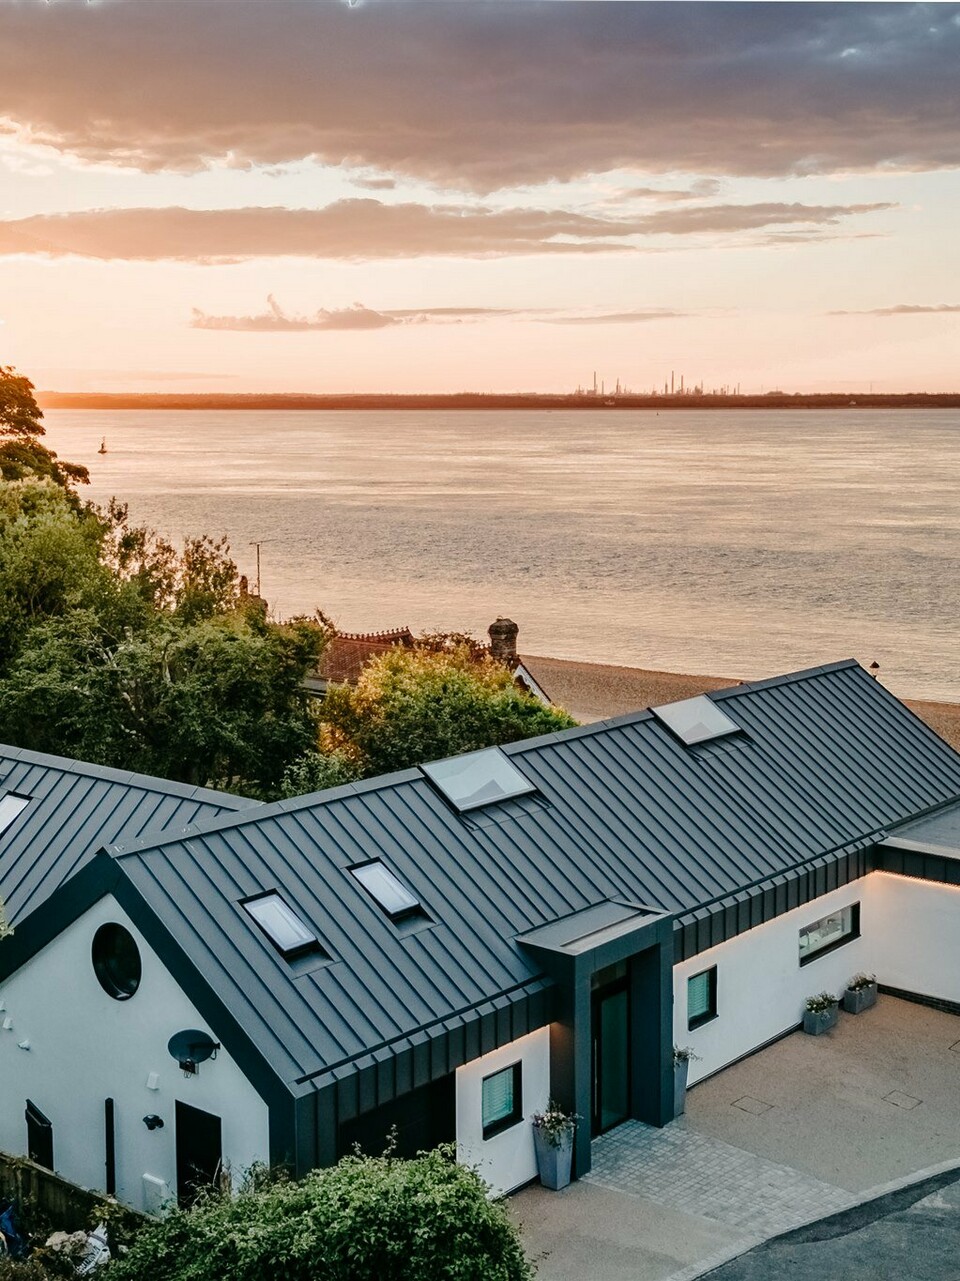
(270, 809)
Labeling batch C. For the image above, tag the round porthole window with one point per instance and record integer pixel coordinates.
(116, 961)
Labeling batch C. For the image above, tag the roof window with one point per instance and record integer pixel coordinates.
(11, 807)
(386, 890)
(477, 778)
(285, 930)
(695, 720)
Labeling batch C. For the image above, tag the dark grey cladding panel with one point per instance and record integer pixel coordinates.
(827, 761)
(77, 809)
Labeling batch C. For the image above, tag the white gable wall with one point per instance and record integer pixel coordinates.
(86, 1047)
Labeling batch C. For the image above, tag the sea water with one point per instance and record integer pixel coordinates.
(731, 542)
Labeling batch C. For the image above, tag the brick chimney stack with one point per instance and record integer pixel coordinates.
(503, 641)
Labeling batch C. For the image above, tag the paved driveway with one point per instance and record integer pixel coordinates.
(802, 1130)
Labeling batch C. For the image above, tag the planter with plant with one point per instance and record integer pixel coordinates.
(553, 1132)
(683, 1055)
(820, 1014)
(860, 993)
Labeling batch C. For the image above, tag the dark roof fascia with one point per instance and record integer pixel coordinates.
(64, 906)
(104, 875)
(146, 782)
(925, 862)
(706, 927)
(396, 1069)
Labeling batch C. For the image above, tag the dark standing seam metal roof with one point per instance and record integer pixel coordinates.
(827, 759)
(77, 809)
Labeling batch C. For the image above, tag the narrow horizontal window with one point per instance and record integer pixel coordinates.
(701, 998)
(387, 891)
(282, 926)
(11, 807)
(829, 932)
(502, 1103)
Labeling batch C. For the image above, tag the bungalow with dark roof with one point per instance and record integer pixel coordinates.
(444, 949)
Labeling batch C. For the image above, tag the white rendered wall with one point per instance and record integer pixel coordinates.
(761, 987)
(86, 1047)
(919, 925)
(507, 1160)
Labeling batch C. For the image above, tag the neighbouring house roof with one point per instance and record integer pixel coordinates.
(825, 761)
(597, 691)
(348, 652)
(74, 810)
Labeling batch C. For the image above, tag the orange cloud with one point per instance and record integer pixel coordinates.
(367, 228)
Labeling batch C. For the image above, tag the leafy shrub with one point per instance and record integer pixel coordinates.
(365, 1219)
(822, 1002)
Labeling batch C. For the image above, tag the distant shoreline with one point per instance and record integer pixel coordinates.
(481, 401)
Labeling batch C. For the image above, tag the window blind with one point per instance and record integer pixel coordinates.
(698, 996)
(497, 1097)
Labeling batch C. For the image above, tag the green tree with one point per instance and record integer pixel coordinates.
(422, 704)
(117, 649)
(216, 701)
(21, 427)
(49, 561)
(365, 1219)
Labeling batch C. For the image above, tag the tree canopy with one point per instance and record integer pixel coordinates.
(365, 1219)
(21, 426)
(118, 649)
(425, 703)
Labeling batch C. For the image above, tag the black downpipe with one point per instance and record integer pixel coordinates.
(110, 1147)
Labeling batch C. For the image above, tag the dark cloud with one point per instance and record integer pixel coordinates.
(905, 309)
(698, 190)
(367, 228)
(358, 317)
(375, 184)
(487, 95)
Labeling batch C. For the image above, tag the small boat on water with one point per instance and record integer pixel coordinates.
(103, 446)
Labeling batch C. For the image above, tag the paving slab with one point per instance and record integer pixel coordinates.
(872, 1101)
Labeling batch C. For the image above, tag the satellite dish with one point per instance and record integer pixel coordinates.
(192, 1047)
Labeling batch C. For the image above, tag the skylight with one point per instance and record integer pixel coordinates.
(696, 720)
(477, 778)
(282, 926)
(387, 891)
(11, 806)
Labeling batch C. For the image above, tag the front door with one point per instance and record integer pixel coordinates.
(611, 1054)
(199, 1152)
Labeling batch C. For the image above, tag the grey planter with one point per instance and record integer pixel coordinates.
(822, 1021)
(855, 1001)
(680, 1072)
(553, 1163)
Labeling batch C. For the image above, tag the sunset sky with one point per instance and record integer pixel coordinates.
(309, 195)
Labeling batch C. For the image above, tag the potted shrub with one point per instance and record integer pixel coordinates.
(820, 1014)
(553, 1139)
(860, 993)
(682, 1056)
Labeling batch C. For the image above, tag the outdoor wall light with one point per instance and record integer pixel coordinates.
(153, 1122)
